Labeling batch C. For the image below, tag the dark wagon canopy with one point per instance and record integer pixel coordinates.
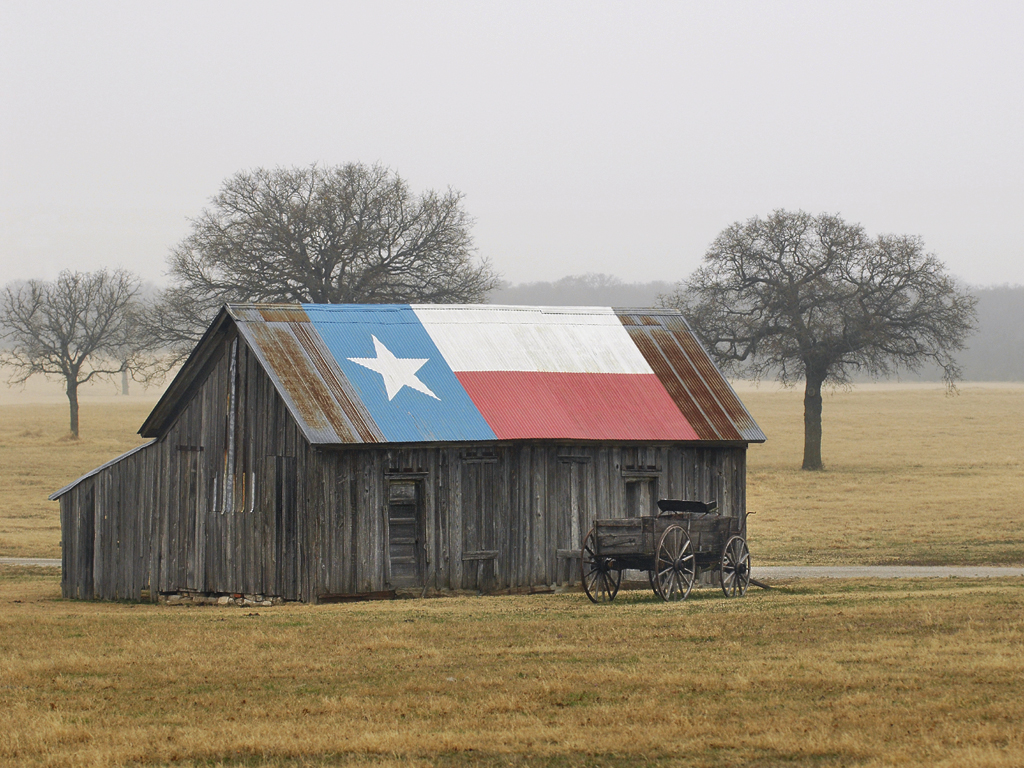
(305, 451)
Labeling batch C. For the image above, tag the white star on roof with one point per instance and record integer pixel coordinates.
(397, 372)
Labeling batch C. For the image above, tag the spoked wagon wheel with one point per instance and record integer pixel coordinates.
(674, 565)
(601, 578)
(735, 570)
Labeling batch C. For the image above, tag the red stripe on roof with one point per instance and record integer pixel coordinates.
(580, 406)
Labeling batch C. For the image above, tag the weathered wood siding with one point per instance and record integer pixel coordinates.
(508, 516)
(290, 520)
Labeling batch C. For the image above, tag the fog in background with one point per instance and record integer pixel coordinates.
(588, 137)
(994, 352)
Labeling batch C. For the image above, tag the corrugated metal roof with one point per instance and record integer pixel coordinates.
(521, 338)
(311, 355)
(309, 380)
(388, 357)
(704, 396)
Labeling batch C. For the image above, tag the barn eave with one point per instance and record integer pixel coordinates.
(57, 494)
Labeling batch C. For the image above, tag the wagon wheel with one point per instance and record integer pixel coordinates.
(675, 567)
(735, 571)
(654, 585)
(601, 578)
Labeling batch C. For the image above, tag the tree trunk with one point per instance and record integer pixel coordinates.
(124, 382)
(73, 401)
(812, 422)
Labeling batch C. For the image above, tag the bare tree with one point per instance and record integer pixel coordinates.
(348, 234)
(814, 298)
(81, 326)
(177, 317)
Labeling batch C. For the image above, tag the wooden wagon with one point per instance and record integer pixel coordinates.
(674, 546)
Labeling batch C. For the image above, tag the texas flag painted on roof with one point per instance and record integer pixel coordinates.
(401, 376)
(441, 373)
(414, 373)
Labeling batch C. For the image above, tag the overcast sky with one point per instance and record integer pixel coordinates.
(586, 137)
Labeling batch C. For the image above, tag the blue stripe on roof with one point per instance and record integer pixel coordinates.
(411, 415)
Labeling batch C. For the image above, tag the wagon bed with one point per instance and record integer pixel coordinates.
(685, 538)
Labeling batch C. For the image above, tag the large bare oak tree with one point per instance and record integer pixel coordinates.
(348, 234)
(80, 326)
(815, 298)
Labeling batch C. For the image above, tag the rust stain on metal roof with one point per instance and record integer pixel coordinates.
(283, 314)
(730, 402)
(697, 383)
(245, 313)
(672, 382)
(306, 375)
(336, 383)
(298, 379)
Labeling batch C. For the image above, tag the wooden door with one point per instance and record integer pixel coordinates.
(575, 515)
(405, 534)
(480, 522)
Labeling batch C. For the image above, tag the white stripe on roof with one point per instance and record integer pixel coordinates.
(540, 339)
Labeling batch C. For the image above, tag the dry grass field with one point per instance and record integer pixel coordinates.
(815, 673)
(38, 456)
(913, 476)
(829, 673)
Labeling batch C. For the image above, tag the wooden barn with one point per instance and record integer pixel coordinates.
(324, 452)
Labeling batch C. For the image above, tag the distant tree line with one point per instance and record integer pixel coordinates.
(995, 351)
(590, 289)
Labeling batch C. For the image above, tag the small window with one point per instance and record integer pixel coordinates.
(641, 496)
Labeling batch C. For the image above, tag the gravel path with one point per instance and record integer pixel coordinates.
(772, 572)
(43, 561)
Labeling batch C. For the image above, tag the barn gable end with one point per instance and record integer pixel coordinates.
(173, 515)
